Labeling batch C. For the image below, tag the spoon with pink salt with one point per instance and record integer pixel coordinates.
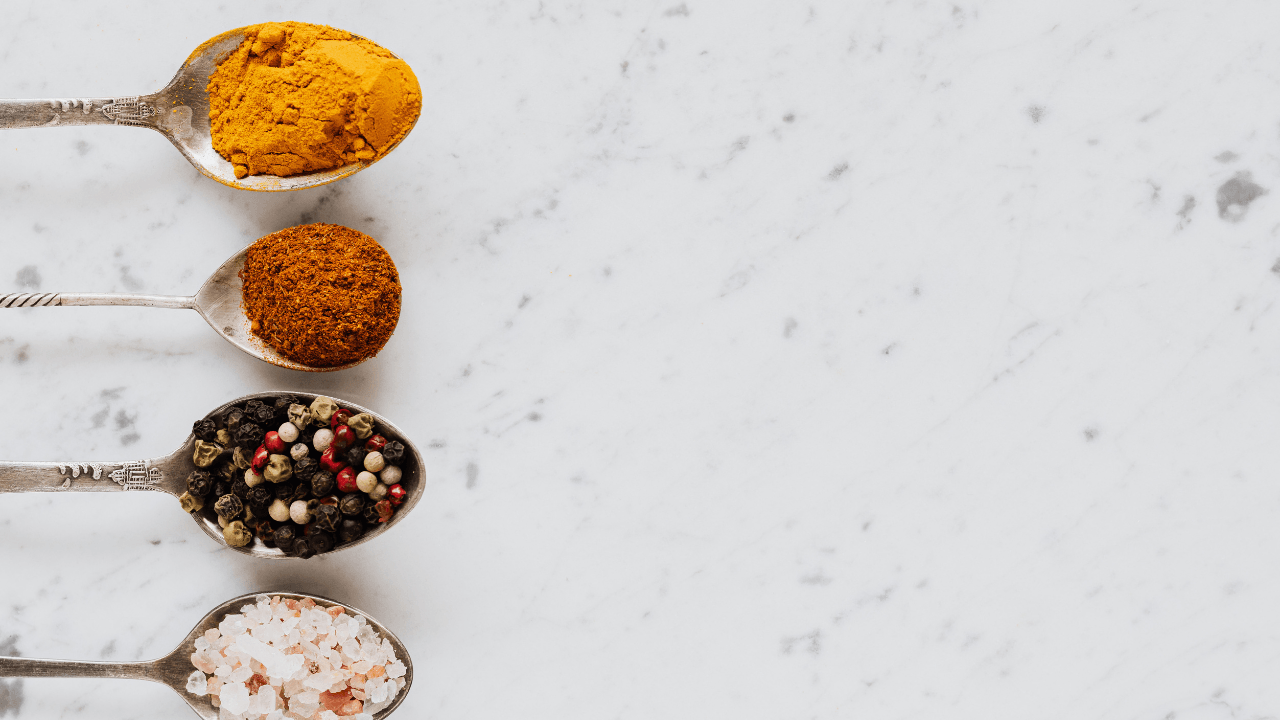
(176, 669)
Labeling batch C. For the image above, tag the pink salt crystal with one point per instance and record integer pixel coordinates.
(291, 603)
(211, 634)
(335, 611)
(358, 694)
(357, 681)
(351, 708)
(376, 671)
(334, 702)
(307, 603)
(202, 664)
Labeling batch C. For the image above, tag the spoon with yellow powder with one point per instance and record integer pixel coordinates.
(277, 106)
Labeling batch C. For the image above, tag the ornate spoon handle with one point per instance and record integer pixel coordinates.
(18, 300)
(32, 667)
(88, 477)
(75, 111)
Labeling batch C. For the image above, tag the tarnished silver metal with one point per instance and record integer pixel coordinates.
(218, 301)
(169, 474)
(180, 112)
(174, 669)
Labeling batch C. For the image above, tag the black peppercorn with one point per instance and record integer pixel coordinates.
(259, 498)
(327, 517)
(250, 436)
(355, 456)
(232, 419)
(370, 514)
(322, 483)
(351, 530)
(225, 471)
(229, 507)
(302, 548)
(221, 487)
(281, 407)
(284, 536)
(206, 430)
(352, 504)
(251, 407)
(393, 452)
(305, 468)
(265, 532)
(239, 487)
(321, 541)
(199, 483)
(264, 415)
(301, 491)
(285, 490)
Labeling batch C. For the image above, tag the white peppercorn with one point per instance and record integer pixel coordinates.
(366, 481)
(373, 462)
(288, 432)
(390, 474)
(301, 511)
(378, 492)
(322, 440)
(253, 479)
(298, 451)
(279, 510)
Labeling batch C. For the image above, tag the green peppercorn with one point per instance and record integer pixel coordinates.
(362, 424)
(352, 504)
(223, 437)
(393, 453)
(327, 517)
(322, 483)
(206, 430)
(241, 458)
(351, 530)
(229, 506)
(279, 468)
(300, 415)
(236, 534)
(191, 503)
(199, 483)
(206, 453)
(322, 408)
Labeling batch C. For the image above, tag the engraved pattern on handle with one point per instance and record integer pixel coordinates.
(92, 477)
(29, 300)
(129, 110)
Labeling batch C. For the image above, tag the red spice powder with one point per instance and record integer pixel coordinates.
(322, 295)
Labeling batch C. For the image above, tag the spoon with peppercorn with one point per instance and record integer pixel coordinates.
(271, 475)
(221, 302)
(176, 668)
(180, 112)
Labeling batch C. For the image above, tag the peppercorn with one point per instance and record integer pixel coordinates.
(232, 419)
(366, 481)
(298, 451)
(278, 510)
(278, 469)
(241, 458)
(223, 437)
(206, 430)
(343, 437)
(378, 492)
(330, 461)
(301, 491)
(237, 535)
(288, 432)
(354, 456)
(265, 531)
(190, 503)
(253, 479)
(390, 475)
(206, 453)
(394, 452)
(375, 443)
(362, 424)
(264, 415)
(322, 482)
(396, 494)
(259, 498)
(302, 548)
(249, 435)
(322, 409)
(252, 406)
(370, 514)
(302, 511)
(322, 439)
(260, 458)
(305, 468)
(199, 483)
(351, 530)
(300, 416)
(273, 442)
(327, 517)
(347, 480)
(339, 417)
(284, 537)
(221, 487)
(385, 511)
(321, 542)
(229, 506)
(240, 488)
(352, 504)
(282, 405)
(373, 462)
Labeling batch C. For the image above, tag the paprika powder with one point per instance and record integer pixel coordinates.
(322, 295)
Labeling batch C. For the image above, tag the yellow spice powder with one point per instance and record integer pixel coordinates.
(296, 98)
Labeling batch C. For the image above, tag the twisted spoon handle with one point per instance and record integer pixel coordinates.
(19, 300)
(75, 111)
(32, 667)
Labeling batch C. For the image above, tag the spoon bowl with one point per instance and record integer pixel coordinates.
(174, 669)
(169, 474)
(220, 301)
(180, 112)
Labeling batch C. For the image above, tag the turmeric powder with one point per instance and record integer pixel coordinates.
(297, 98)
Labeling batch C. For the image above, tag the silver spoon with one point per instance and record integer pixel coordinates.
(180, 112)
(174, 669)
(219, 302)
(169, 474)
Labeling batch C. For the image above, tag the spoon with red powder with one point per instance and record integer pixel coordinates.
(315, 297)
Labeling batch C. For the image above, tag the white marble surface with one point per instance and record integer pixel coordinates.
(770, 360)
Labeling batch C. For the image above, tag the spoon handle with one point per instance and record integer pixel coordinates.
(32, 667)
(19, 300)
(74, 111)
(83, 477)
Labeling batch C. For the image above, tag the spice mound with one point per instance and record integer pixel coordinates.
(302, 475)
(321, 295)
(296, 98)
(283, 655)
